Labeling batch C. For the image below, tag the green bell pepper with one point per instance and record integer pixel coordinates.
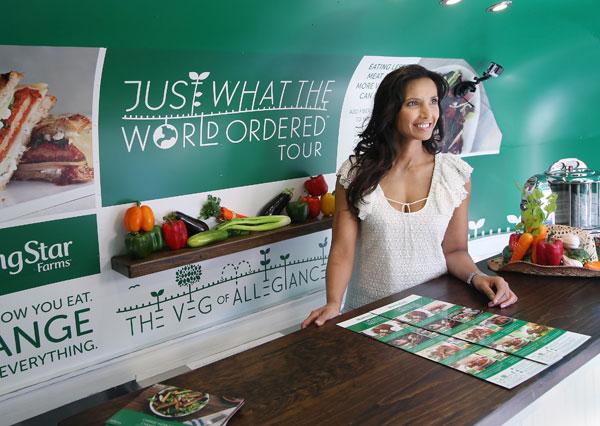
(297, 211)
(142, 244)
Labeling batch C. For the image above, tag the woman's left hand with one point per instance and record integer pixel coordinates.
(496, 289)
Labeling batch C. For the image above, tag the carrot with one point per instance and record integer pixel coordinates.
(227, 214)
(522, 246)
(542, 232)
(594, 266)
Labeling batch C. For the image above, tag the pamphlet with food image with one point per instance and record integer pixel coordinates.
(525, 339)
(46, 150)
(162, 405)
(489, 364)
(500, 349)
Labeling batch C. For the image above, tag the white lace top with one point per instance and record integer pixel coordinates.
(398, 250)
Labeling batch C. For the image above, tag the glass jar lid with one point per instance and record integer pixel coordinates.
(573, 176)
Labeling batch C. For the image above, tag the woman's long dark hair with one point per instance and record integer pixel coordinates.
(376, 151)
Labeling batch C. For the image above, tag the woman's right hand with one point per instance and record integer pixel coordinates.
(321, 315)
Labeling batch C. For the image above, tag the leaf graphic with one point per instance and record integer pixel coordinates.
(480, 222)
(153, 294)
(204, 75)
(193, 75)
(196, 104)
(267, 250)
(160, 292)
(263, 252)
(198, 94)
(265, 262)
(511, 218)
(472, 225)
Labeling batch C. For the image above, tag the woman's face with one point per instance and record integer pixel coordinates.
(419, 112)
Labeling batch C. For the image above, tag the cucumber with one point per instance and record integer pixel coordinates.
(207, 237)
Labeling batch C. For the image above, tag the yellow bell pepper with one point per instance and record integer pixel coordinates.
(328, 204)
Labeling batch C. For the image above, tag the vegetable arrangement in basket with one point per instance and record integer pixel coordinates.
(548, 245)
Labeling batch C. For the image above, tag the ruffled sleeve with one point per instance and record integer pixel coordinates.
(454, 174)
(346, 174)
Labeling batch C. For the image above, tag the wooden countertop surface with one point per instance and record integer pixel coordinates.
(330, 375)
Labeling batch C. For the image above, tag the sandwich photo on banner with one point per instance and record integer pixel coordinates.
(46, 146)
(21, 108)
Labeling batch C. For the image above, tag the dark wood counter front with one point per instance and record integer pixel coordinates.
(333, 376)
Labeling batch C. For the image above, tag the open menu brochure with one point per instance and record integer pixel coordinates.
(502, 350)
(162, 405)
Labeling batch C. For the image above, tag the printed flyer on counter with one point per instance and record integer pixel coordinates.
(499, 349)
(163, 405)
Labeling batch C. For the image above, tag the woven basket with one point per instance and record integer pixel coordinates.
(496, 264)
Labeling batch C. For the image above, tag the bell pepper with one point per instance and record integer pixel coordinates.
(142, 244)
(328, 204)
(316, 185)
(175, 232)
(549, 253)
(139, 217)
(513, 240)
(314, 205)
(297, 211)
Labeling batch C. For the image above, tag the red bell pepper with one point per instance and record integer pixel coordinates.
(316, 185)
(549, 253)
(175, 233)
(513, 240)
(314, 205)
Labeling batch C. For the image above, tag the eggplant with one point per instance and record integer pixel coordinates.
(276, 205)
(193, 225)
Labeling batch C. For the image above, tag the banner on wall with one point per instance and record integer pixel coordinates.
(48, 252)
(48, 333)
(46, 144)
(469, 123)
(174, 123)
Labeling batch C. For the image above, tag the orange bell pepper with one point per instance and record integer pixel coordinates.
(138, 218)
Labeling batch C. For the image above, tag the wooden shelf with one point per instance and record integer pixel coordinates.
(161, 261)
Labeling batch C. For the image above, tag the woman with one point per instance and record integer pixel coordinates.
(401, 207)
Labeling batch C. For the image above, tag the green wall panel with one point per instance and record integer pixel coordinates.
(546, 102)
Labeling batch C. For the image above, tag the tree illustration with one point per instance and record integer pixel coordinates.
(265, 261)
(323, 245)
(157, 294)
(188, 275)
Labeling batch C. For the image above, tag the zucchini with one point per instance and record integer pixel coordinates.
(258, 223)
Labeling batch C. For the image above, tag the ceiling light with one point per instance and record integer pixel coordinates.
(449, 2)
(499, 7)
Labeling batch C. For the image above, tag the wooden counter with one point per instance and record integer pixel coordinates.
(333, 376)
